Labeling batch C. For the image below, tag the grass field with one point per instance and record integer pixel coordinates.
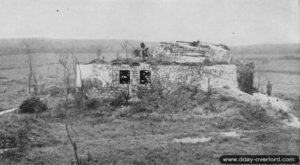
(121, 135)
(14, 70)
(283, 70)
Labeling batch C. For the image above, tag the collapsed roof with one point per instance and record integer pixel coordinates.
(196, 51)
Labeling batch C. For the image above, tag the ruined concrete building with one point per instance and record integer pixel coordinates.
(171, 64)
(196, 51)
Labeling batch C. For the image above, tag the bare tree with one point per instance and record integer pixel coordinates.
(73, 145)
(79, 95)
(68, 73)
(74, 64)
(31, 75)
(82, 88)
(124, 46)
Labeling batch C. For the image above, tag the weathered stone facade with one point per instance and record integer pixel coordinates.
(106, 78)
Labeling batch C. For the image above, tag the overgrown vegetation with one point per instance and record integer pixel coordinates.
(245, 77)
(33, 105)
(32, 80)
(69, 71)
(256, 114)
(92, 103)
(54, 91)
(107, 131)
(19, 134)
(154, 98)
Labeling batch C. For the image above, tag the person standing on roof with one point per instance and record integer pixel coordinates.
(144, 51)
(269, 88)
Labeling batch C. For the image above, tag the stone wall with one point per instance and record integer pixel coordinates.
(105, 78)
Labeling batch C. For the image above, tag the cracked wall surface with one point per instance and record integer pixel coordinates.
(106, 77)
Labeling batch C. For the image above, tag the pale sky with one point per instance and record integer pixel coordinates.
(233, 22)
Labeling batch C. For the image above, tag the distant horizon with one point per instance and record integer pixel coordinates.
(116, 39)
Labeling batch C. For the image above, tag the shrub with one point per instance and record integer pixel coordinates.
(144, 106)
(92, 103)
(72, 90)
(54, 91)
(245, 77)
(60, 111)
(15, 143)
(118, 100)
(32, 105)
(201, 97)
(19, 133)
(224, 98)
(212, 107)
(154, 88)
(141, 91)
(153, 99)
(255, 114)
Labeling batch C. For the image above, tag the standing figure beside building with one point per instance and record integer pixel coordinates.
(269, 88)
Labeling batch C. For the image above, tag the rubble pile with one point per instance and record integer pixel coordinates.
(195, 51)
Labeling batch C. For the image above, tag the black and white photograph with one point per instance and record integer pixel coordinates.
(149, 82)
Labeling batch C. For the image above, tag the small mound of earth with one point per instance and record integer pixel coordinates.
(192, 140)
(275, 106)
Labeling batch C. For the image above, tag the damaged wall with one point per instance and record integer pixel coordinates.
(107, 77)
